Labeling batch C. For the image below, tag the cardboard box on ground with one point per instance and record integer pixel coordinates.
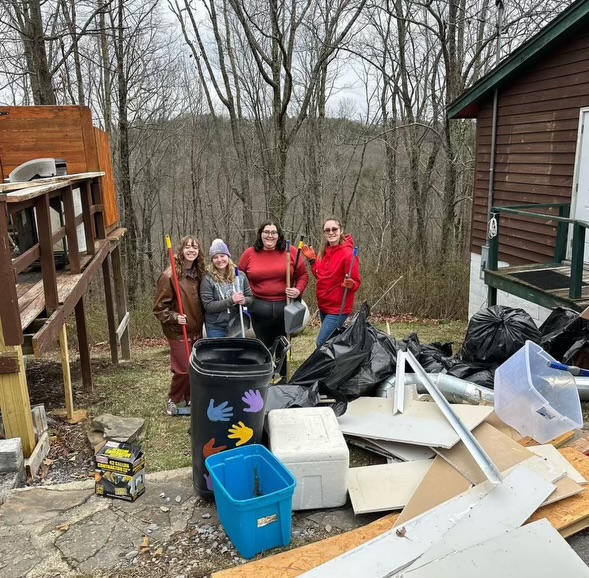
(120, 471)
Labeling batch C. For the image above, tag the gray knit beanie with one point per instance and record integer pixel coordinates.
(218, 247)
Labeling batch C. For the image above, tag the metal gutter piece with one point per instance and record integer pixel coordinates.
(478, 453)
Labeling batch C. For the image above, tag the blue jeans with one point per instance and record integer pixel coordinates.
(215, 331)
(328, 325)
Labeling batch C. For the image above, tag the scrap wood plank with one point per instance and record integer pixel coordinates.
(556, 442)
(299, 560)
(571, 515)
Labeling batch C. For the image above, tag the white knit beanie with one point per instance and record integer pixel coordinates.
(218, 247)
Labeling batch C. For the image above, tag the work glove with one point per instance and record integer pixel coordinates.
(308, 252)
(348, 283)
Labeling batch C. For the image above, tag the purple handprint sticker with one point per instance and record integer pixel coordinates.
(209, 482)
(222, 412)
(253, 398)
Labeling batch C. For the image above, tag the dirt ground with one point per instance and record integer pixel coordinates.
(197, 552)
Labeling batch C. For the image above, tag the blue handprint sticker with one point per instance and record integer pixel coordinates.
(219, 413)
(253, 398)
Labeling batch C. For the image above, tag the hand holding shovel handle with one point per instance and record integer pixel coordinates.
(178, 295)
(348, 275)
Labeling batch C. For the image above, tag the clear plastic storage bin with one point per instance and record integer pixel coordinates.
(535, 399)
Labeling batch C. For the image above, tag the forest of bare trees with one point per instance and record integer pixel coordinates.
(222, 113)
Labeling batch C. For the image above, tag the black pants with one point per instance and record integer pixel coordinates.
(268, 323)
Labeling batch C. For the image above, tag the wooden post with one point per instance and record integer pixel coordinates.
(121, 299)
(560, 248)
(14, 397)
(67, 377)
(86, 198)
(110, 311)
(99, 209)
(83, 346)
(70, 230)
(46, 251)
(9, 309)
(492, 262)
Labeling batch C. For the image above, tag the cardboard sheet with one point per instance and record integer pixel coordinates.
(441, 483)
(503, 451)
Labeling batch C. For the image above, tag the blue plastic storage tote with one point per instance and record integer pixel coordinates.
(253, 491)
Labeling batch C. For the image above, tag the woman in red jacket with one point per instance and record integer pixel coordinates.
(331, 268)
(265, 267)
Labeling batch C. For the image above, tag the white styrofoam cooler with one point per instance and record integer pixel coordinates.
(309, 442)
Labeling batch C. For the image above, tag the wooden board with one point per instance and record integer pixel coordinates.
(571, 515)
(441, 483)
(503, 451)
(386, 486)
(300, 560)
(556, 442)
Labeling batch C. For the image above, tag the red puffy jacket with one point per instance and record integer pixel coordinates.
(330, 273)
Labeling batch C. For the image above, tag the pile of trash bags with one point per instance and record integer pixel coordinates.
(357, 359)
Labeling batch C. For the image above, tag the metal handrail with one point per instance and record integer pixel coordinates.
(564, 222)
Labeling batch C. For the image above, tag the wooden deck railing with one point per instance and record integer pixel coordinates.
(560, 249)
(16, 197)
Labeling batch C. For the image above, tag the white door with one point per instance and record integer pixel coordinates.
(580, 204)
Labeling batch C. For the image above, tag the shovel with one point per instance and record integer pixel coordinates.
(294, 312)
(239, 289)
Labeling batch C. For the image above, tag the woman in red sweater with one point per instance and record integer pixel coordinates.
(331, 268)
(265, 267)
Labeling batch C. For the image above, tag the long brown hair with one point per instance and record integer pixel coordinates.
(326, 244)
(199, 262)
(218, 277)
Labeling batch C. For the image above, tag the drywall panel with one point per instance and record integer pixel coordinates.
(549, 452)
(386, 486)
(536, 550)
(422, 423)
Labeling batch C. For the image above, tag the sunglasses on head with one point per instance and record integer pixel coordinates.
(331, 230)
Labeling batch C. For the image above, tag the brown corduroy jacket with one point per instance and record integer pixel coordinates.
(166, 305)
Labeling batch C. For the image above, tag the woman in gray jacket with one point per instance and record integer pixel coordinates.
(221, 292)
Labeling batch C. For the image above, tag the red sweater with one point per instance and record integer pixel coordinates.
(266, 272)
(330, 273)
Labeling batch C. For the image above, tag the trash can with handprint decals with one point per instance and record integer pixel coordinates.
(229, 378)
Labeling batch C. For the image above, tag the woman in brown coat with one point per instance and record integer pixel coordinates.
(189, 263)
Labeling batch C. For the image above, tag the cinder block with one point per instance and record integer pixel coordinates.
(11, 456)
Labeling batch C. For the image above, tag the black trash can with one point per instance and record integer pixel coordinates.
(228, 383)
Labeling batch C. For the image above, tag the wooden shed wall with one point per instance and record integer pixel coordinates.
(64, 132)
(535, 156)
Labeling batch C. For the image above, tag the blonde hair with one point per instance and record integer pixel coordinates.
(326, 244)
(218, 277)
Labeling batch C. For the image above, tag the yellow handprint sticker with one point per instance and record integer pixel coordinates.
(240, 432)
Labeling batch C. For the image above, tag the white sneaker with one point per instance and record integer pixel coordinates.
(172, 408)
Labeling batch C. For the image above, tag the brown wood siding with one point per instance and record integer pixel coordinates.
(61, 132)
(108, 183)
(538, 118)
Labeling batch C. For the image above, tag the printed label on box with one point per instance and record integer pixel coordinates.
(267, 520)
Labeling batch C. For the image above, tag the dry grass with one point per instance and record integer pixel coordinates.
(138, 388)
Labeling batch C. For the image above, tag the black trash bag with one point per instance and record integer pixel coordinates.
(478, 373)
(434, 358)
(338, 359)
(380, 364)
(494, 334)
(284, 396)
(565, 335)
